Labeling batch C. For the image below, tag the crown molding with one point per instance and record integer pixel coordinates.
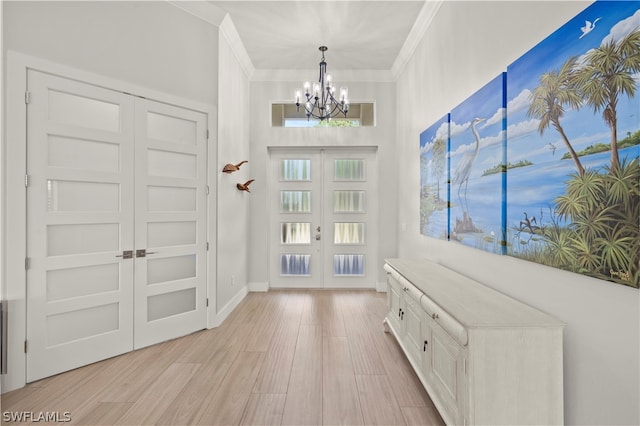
(426, 15)
(341, 76)
(221, 19)
(218, 17)
(202, 10)
(228, 30)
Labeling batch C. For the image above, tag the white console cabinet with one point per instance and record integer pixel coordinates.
(483, 357)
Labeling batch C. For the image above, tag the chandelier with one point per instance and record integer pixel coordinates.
(321, 102)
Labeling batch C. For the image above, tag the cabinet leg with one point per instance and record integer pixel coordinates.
(385, 324)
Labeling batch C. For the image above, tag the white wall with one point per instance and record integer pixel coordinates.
(263, 136)
(149, 43)
(467, 45)
(233, 205)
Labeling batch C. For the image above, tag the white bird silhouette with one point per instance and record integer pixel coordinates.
(463, 169)
(588, 27)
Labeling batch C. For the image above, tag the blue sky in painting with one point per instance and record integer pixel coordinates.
(437, 221)
(483, 197)
(583, 127)
(486, 103)
(532, 190)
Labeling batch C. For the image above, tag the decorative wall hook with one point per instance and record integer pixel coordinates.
(244, 186)
(230, 168)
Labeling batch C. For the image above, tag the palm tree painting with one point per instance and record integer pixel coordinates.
(434, 146)
(477, 168)
(573, 115)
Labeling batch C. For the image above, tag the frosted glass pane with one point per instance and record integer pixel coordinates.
(76, 325)
(83, 238)
(82, 281)
(171, 129)
(171, 164)
(295, 233)
(171, 269)
(348, 264)
(168, 198)
(166, 234)
(295, 264)
(349, 170)
(295, 169)
(83, 112)
(295, 201)
(348, 201)
(168, 304)
(81, 154)
(69, 196)
(348, 233)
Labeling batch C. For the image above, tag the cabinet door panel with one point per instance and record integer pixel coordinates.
(447, 371)
(394, 301)
(412, 322)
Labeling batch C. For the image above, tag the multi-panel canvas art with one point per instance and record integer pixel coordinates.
(434, 177)
(570, 162)
(476, 159)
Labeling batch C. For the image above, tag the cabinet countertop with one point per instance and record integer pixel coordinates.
(469, 302)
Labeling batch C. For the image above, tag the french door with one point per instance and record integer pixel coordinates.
(116, 189)
(323, 218)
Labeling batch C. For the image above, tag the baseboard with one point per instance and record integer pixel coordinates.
(381, 287)
(228, 308)
(259, 287)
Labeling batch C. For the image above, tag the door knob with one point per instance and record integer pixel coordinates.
(317, 237)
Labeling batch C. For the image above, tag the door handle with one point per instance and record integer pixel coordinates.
(143, 252)
(127, 254)
(317, 237)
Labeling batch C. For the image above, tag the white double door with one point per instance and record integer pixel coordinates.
(116, 219)
(323, 209)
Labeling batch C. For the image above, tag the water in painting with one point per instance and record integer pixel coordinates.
(573, 146)
(477, 143)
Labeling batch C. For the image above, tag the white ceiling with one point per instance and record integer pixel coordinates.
(360, 34)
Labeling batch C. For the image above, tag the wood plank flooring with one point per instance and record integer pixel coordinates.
(285, 357)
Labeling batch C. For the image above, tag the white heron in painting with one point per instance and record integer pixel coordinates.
(463, 169)
(588, 27)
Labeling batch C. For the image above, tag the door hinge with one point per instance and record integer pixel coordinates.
(26, 181)
(207, 302)
(27, 263)
(27, 97)
(207, 189)
(207, 134)
(207, 245)
(25, 346)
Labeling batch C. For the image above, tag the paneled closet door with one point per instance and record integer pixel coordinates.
(79, 223)
(170, 224)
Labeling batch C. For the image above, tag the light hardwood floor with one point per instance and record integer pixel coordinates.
(282, 357)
